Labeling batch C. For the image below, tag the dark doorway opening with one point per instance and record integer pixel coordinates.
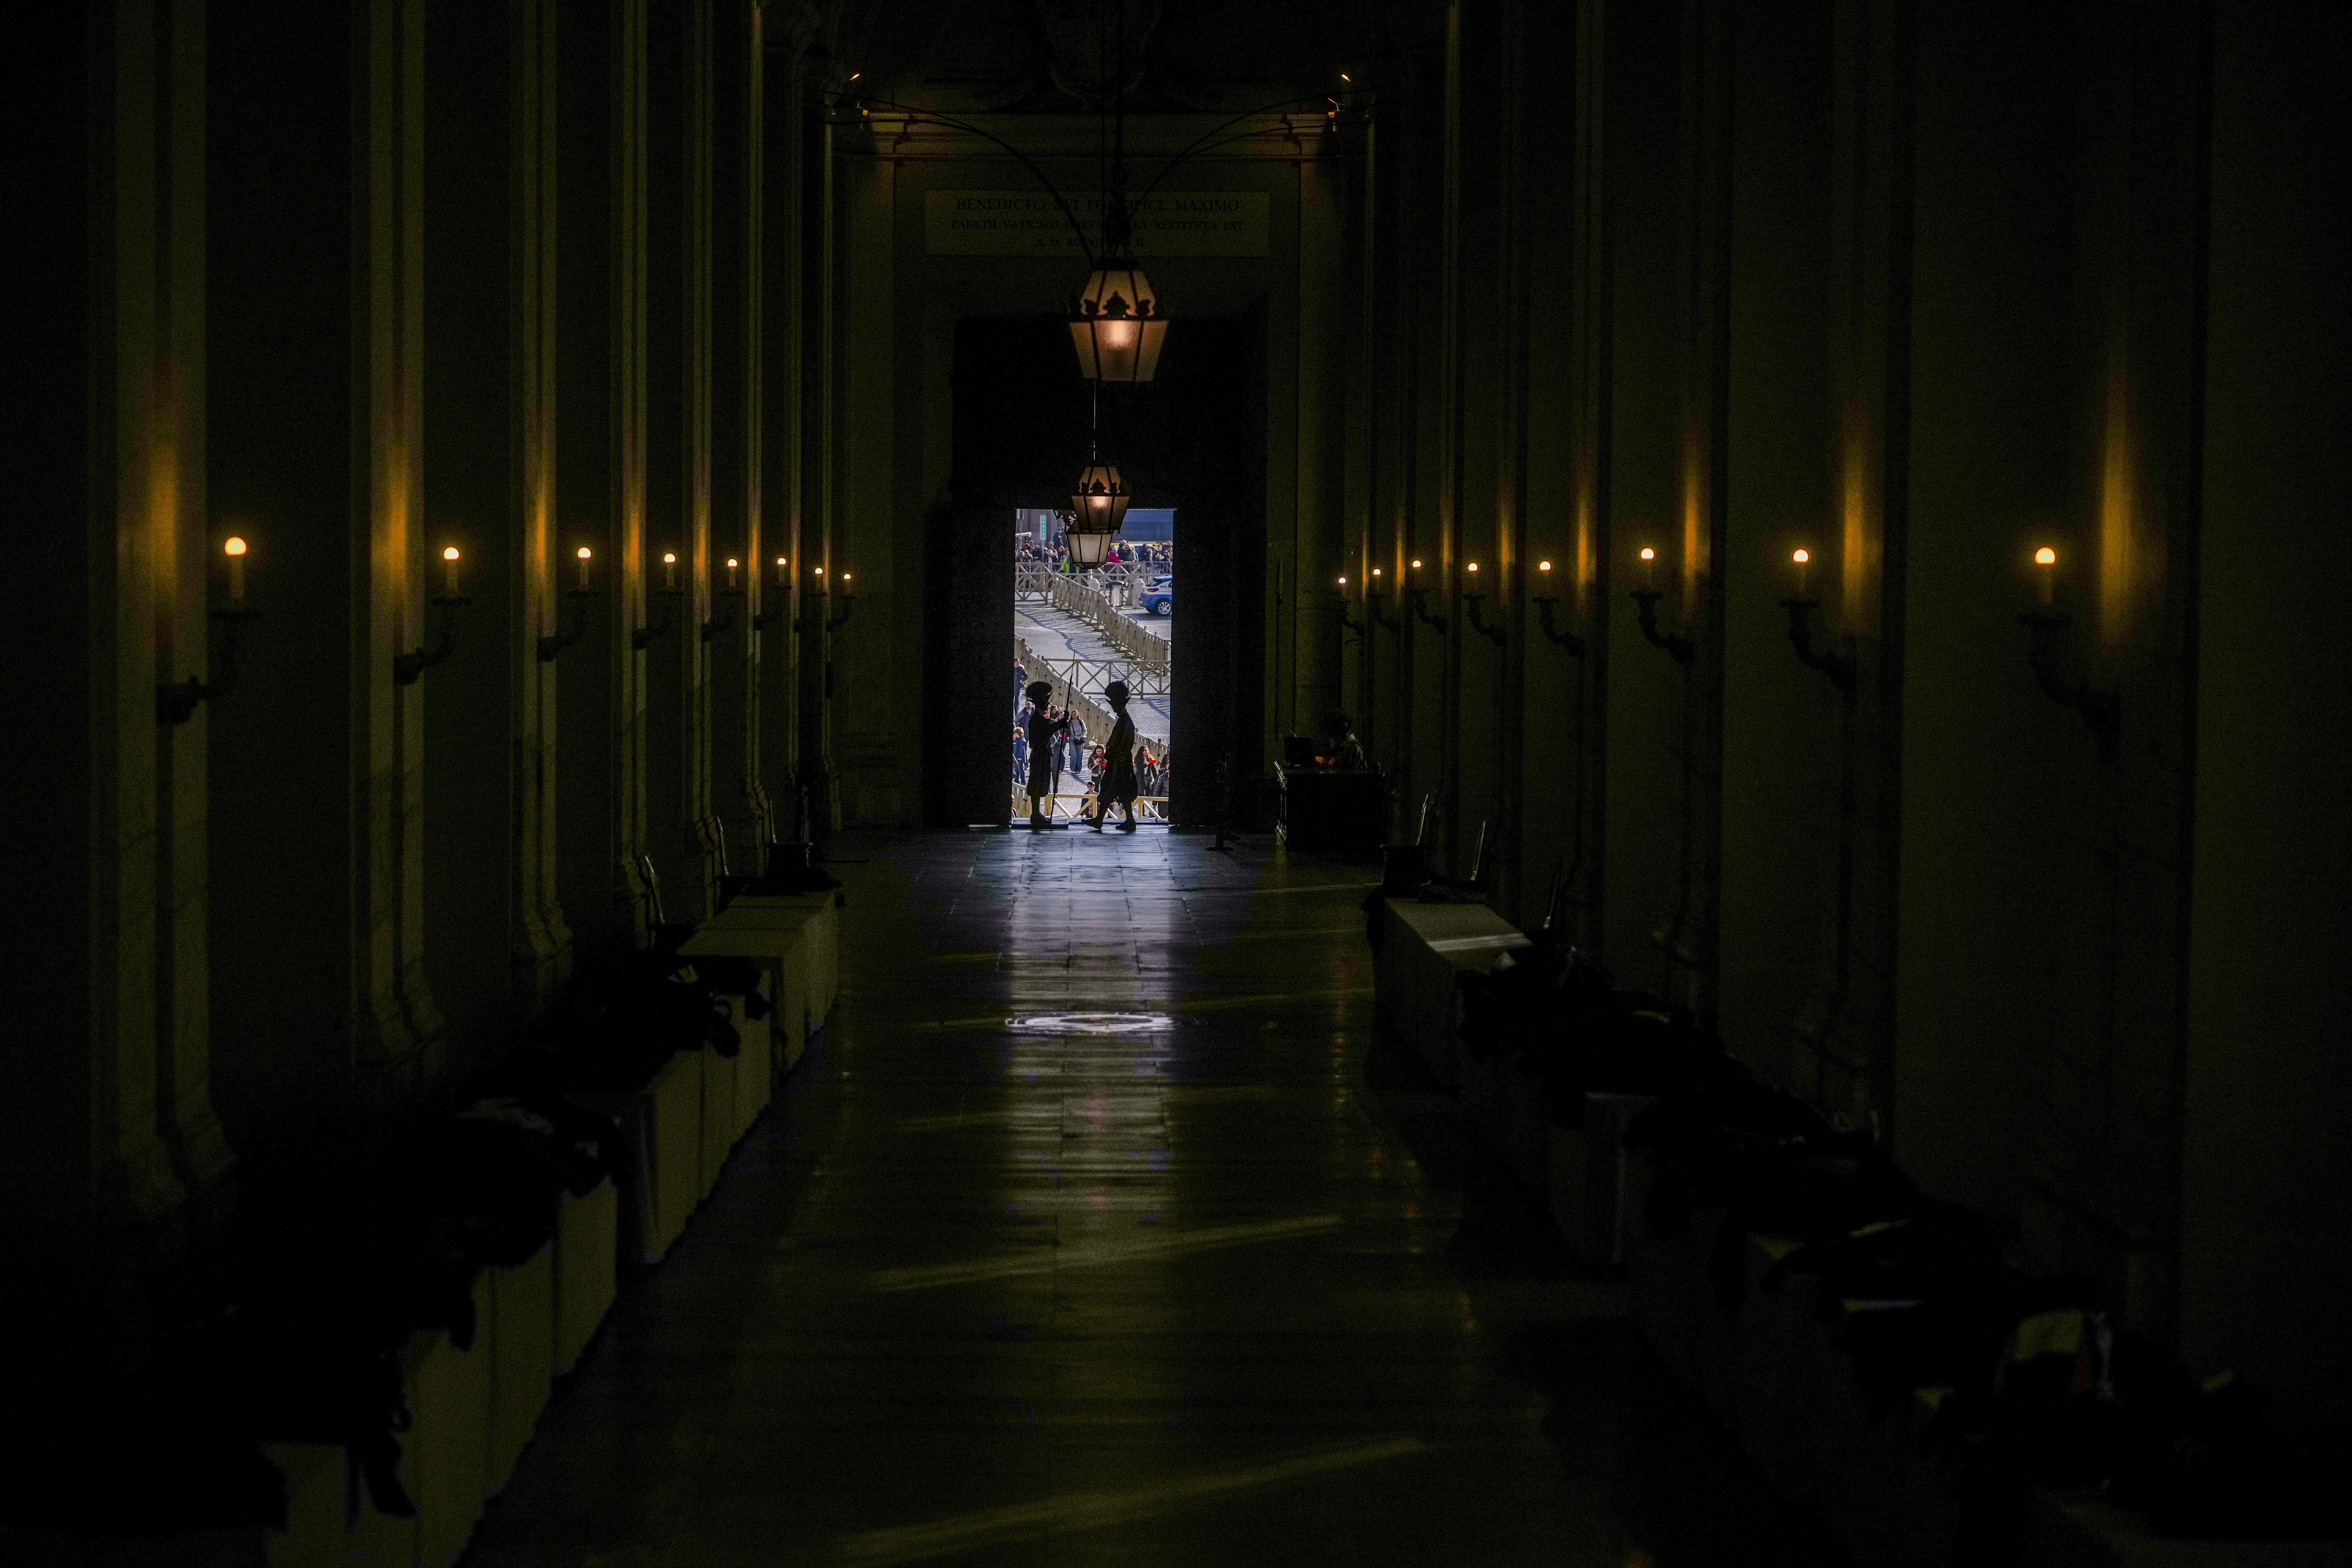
(1192, 440)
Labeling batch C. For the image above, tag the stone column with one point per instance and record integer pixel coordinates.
(326, 1030)
(115, 1167)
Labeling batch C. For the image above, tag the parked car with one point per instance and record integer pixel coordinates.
(1158, 596)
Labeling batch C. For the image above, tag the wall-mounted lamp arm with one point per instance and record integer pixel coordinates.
(766, 618)
(1420, 608)
(1381, 617)
(176, 703)
(2101, 711)
(551, 643)
(1471, 604)
(1838, 667)
(407, 666)
(849, 607)
(712, 628)
(641, 638)
(1678, 647)
(1573, 643)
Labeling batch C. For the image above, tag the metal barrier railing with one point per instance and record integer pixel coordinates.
(1148, 807)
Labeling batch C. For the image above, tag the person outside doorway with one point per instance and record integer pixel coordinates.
(1117, 778)
(1045, 733)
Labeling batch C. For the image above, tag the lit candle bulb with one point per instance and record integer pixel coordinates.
(669, 569)
(234, 551)
(780, 571)
(1805, 559)
(1472, 568)
(584, 553)
(1343, 585)
(449, 564)
(847, 578)
(1649, 567)
(2047, 559)
(1544, 566)
(732, 565)
(1376, 571)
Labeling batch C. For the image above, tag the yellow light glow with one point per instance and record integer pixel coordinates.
(585, 552)
(1474, 566)
(1417, 565)
(845, 576)
(234, 546)
(1118, 334)
(2045, 556)
(732, 563)
(669, 557)
(1801, 556)
(1648, 553)
(1543, 566)
(820, 571)
(780, 561)
(1343, 581)
(450, 553)
(1376, 571)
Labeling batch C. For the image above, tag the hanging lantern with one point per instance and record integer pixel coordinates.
(1115, 325)
(1098, 507)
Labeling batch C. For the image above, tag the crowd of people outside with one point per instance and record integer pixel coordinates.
(1050, 743)
(1054, 553)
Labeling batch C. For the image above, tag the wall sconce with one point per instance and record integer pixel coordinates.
(644, 636)
(732, 591)
(1471, 607)
(1544, 602)
(2101, 711)
(407, 666)
(1838, 667)
(176, 703)
(1677, 646)
(848, 602)
(553, 644)
(1377, 601)
(1346, 621)
(1418, 597)
(764, 619)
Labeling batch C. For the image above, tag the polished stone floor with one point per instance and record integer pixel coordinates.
(1220, 1279)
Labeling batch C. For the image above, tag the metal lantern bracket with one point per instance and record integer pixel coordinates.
(1678, 647)
(710, 629)
(176, 703)
(1419, 597)
(553, 644)
(407, 666)
(1838, 667)
(1471, 606)
(2101, 711)
(1573, 643)
(643, 636)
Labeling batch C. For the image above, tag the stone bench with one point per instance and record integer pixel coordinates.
(1423, 947)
